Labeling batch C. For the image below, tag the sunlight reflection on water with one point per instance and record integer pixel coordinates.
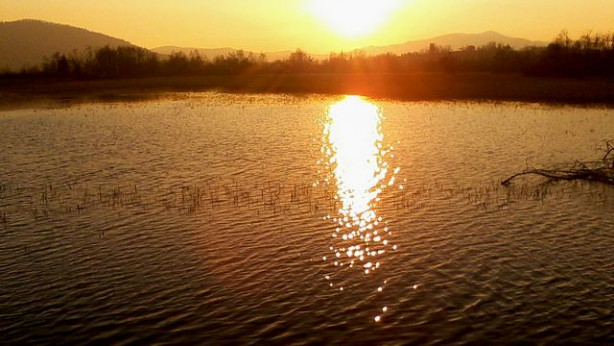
(203, 219)
(356, 158)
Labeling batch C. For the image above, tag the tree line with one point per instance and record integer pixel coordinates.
(592, 55)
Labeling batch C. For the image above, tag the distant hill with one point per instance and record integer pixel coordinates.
(211, 53)
(204, 52)
(25, 43)
(454, 41)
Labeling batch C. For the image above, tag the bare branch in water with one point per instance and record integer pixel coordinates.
(603, 173)
(609, 150)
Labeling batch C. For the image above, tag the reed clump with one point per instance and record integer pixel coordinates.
(214, 194)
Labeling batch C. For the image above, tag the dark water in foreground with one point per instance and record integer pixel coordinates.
(224, 219)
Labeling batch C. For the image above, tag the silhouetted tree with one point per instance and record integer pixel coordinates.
(300, 61)
(590, 55)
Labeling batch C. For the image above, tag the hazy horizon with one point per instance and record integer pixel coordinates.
(450, 35)
(315, 26)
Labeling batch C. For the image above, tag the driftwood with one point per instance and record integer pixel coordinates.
(602, 171)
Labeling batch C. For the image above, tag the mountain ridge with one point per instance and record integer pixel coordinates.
(25, 43)
(454, 41)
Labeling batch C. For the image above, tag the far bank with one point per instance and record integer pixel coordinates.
(410, 87)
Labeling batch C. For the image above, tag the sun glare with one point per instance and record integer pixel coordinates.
(354, 18)
(356, 157)
(354, 135)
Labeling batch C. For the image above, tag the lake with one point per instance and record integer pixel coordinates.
(211, 218)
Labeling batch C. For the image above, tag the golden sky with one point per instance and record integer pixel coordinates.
(274, 25)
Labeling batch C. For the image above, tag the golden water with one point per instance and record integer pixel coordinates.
(224, 219)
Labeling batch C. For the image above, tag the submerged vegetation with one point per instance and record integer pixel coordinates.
(214, 196)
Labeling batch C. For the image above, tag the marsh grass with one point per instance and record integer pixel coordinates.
(266, 199)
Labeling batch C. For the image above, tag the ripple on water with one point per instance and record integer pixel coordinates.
(204, 218)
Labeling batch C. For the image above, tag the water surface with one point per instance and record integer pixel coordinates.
(224, 219)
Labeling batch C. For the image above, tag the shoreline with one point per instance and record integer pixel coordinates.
(18, 93)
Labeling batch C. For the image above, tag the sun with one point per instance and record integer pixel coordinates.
(354, 18)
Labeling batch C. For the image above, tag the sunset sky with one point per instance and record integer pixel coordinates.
(314, 25)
